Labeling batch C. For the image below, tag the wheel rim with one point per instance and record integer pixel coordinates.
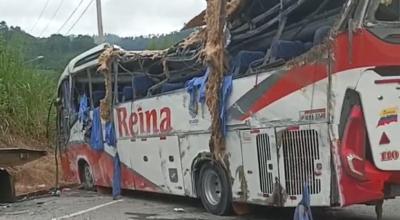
(88, 177)
(212, 187)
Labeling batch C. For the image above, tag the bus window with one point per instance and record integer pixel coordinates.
(80, 89)
(98, 93)
(388, 10)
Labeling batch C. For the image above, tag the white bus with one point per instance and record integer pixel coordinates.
(314, 104)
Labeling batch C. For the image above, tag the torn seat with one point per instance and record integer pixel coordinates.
(287, 50)
(242, 61)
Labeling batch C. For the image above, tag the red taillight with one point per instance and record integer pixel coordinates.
(384, 139)
(353, 144)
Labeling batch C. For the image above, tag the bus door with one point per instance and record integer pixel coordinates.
(305, 158)
(260, 163)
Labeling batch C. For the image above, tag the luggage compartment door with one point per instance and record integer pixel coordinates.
(305, 159)
(260, 166)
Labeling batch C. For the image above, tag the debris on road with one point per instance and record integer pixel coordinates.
(179, 210)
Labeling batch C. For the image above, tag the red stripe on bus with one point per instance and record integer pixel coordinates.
(387, 81)
(290, 82)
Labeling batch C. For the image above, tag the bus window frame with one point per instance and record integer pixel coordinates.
(89, 75)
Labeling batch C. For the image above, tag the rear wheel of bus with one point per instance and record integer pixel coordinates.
(214, 189)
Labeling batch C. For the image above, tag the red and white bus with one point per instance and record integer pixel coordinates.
(315, 100)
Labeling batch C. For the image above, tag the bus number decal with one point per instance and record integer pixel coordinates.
(390, 155)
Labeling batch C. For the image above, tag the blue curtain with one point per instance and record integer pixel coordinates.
(96, 137)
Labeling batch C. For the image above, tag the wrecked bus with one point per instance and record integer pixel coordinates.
(311, 97)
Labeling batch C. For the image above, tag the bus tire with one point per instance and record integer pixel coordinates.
(86, 177)
(215, 189)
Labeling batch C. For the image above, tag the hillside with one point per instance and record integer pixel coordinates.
(57, 49)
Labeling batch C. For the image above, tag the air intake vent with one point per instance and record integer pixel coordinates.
(264, 162)
(300, 151)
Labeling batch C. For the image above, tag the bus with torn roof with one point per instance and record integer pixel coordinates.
(310, 98)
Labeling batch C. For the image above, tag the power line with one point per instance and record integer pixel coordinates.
(40, 16)
(52, 17)
(70, 16)
(80, 16)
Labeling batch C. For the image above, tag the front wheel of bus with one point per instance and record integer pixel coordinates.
(87, 178)
(214, 189)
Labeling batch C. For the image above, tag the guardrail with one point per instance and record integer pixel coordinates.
(10, 157)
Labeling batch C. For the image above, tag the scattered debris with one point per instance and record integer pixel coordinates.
(56, 193)
(5, 206)
(179, 210)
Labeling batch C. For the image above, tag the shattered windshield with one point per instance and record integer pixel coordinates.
(388, 10)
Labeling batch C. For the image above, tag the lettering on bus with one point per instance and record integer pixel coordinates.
(142, 122)
(390, 156)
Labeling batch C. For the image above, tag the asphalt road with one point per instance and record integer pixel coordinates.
(81, 205)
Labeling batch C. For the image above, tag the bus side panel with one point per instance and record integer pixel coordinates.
(100, 164)
(305, 159)
(195, 151)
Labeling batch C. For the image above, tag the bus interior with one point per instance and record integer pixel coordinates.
(264, 35)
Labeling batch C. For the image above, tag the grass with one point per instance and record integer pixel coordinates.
(25, 96)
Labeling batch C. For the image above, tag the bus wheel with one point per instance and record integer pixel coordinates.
(214, 189)
(86, 177)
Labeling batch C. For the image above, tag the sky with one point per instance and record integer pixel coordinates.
(121, 17)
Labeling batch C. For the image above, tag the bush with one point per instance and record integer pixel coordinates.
(25, 95)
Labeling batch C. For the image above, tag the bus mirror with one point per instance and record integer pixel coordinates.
(57, 102)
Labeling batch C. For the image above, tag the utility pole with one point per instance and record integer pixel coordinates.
(100, 22)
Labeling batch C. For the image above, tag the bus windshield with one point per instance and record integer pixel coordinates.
(388, 10)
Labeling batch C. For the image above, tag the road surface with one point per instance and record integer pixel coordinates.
(82, 205)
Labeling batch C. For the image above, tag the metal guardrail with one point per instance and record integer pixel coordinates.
(15, 156)
(10, 157)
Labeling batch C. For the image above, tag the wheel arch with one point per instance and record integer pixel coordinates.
(81, 162)
(198, 162)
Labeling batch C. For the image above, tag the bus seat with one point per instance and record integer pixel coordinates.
(127, 94)
(167, 87)
(97, 96)
(320, 34)
(287, 50)
(141, 84)
(120, 96)
(243, 59)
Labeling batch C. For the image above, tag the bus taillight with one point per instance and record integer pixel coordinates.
(353, 144)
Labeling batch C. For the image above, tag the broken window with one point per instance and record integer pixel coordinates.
(262, 34)
(388, 10)
(65, 112)
(281, 30)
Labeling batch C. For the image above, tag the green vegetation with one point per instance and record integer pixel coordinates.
(57, 50)
(25, 95)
